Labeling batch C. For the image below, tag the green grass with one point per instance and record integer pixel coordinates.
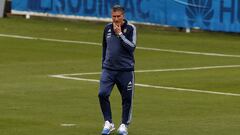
(34, 103)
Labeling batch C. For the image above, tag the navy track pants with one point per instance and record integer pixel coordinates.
(125, 84)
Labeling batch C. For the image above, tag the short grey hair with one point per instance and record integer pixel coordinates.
(118, 8)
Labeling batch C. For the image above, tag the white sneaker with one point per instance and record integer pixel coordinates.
(108, 128)
(122, 130)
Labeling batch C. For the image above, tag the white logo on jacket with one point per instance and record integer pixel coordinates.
(109, 34)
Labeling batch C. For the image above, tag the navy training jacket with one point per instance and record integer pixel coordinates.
(118, 50)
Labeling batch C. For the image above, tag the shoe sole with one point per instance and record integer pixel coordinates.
(122, 133)
(109, 132)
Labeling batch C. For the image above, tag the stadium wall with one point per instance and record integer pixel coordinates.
(214, 15)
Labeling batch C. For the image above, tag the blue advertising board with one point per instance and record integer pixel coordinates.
(214, 15)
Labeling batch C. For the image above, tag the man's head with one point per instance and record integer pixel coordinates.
(118, 14)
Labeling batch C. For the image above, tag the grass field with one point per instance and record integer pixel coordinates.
(187, 84)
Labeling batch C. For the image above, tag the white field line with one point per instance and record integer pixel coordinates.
(67, 125)
(188, 69)
(162, 70)
(48, 39)
(67, 76)
(189, 52)
(188, 90)
(73, 78)
(140, 48)
(152, 86)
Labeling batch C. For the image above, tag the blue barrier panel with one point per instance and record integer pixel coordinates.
(215, 15)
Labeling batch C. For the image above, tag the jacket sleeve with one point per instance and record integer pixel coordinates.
(129, 42)
(104, 46)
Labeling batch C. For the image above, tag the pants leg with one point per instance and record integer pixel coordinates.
(125, 84)
(106, 86)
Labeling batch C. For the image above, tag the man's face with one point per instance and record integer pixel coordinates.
(117, 17)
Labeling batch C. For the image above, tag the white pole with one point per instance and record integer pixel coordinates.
(2, 5)
(188, 30)
(27, 16)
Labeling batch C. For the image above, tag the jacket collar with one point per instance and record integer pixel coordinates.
(125, 23)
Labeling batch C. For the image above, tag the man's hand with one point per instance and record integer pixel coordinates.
(117, 28)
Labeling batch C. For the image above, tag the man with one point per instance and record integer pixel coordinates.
(119, 43)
